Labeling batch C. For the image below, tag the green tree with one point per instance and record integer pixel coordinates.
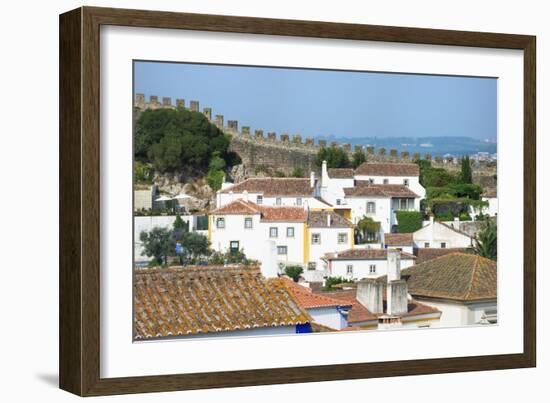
(294, 272)
(216, 172)
(486, 241)
(330, 282)
(465, 170)
(408, 221)
(195, 246)
(335, 157)
(171, 139)
(158, 244)
(358, 158)
(367, 230)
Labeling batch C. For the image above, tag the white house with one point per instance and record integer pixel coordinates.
(407, 174)
(440, 235)
(355, 264)
(325, 311)
(327, 231)
(293, 192)
(333, 182)
(246, 226)
(380, 202)
(462, 286)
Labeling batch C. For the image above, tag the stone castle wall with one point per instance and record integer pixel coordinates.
(259, 150)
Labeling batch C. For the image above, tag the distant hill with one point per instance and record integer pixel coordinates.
(456, 146)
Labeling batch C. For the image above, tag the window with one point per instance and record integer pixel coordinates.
(426, 244)
(290, 232)
(220, 222)
(259, 199)
(273, 232)
(278, 201)
(316, 239)
(311, 266)
(233, 247)
(372, 236)
(372, 269)
(406, 182)
(342, 238)
(386, 181)
(371, 180)
(402, 204)
(248, 222)
(282, 250)
(298, 201)
(443, 244)
(349, 270)
(338, 202)
(371, 207)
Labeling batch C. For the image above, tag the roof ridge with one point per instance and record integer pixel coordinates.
(472, 278)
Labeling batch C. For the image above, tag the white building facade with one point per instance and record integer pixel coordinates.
(439, 235)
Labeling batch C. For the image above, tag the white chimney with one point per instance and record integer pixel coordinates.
(324, 175)
(231, 196)
(370, 295)
(312, 179)
(394, 265)
(329, 219)
(269, 267)
(431, 219)
(245, 195)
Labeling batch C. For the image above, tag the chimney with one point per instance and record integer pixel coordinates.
(394, 264)
(431, 219)
(268, 265)
(329, 219)
(324, 174)
(245, 195)
(231, 196)
(369, 294)
(397, 297)
(312, 179)
(397, 290)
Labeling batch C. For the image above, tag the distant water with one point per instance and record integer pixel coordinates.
(456, 146)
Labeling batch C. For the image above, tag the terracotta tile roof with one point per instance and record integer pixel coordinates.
(307, 299)
(273, 187)
(456, 276)
(182, 301)
(239, 206)
(387, 169)
(364, 254)
(340, 173)
(319, 219)
(284, 214)
(268, 213)
(378, 190)
(359, 313)
(398, 239)
(489, 192)
(425, 254)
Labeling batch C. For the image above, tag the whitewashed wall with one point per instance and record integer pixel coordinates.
(383, 213)
(455, 314)
(329, 243)
(328, 316)
(338, 268)
(436, 233)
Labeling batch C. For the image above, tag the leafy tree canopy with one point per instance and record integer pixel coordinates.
(172, 138)
(486, 242)
(465, 170)
(335, 157)
(358, 158)
(158, 244)
(294, 272)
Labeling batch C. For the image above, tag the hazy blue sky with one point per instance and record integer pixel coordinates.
(321, 103)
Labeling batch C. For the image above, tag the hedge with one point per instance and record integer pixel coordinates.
(408, 221)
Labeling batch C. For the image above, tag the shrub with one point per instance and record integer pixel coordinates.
(408, 221)
(215, 179)
(297, 172)
(465, 217)
(358, 158)
(279, 174)
(294, 272)
(330, 282)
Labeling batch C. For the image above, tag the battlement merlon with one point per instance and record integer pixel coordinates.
(284, 140)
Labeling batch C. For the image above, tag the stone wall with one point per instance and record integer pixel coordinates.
(285, 152)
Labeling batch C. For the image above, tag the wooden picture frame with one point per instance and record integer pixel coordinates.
(79, 346)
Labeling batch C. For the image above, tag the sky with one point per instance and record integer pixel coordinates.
(325, 103)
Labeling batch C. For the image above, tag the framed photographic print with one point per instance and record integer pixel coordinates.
(249, 201)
